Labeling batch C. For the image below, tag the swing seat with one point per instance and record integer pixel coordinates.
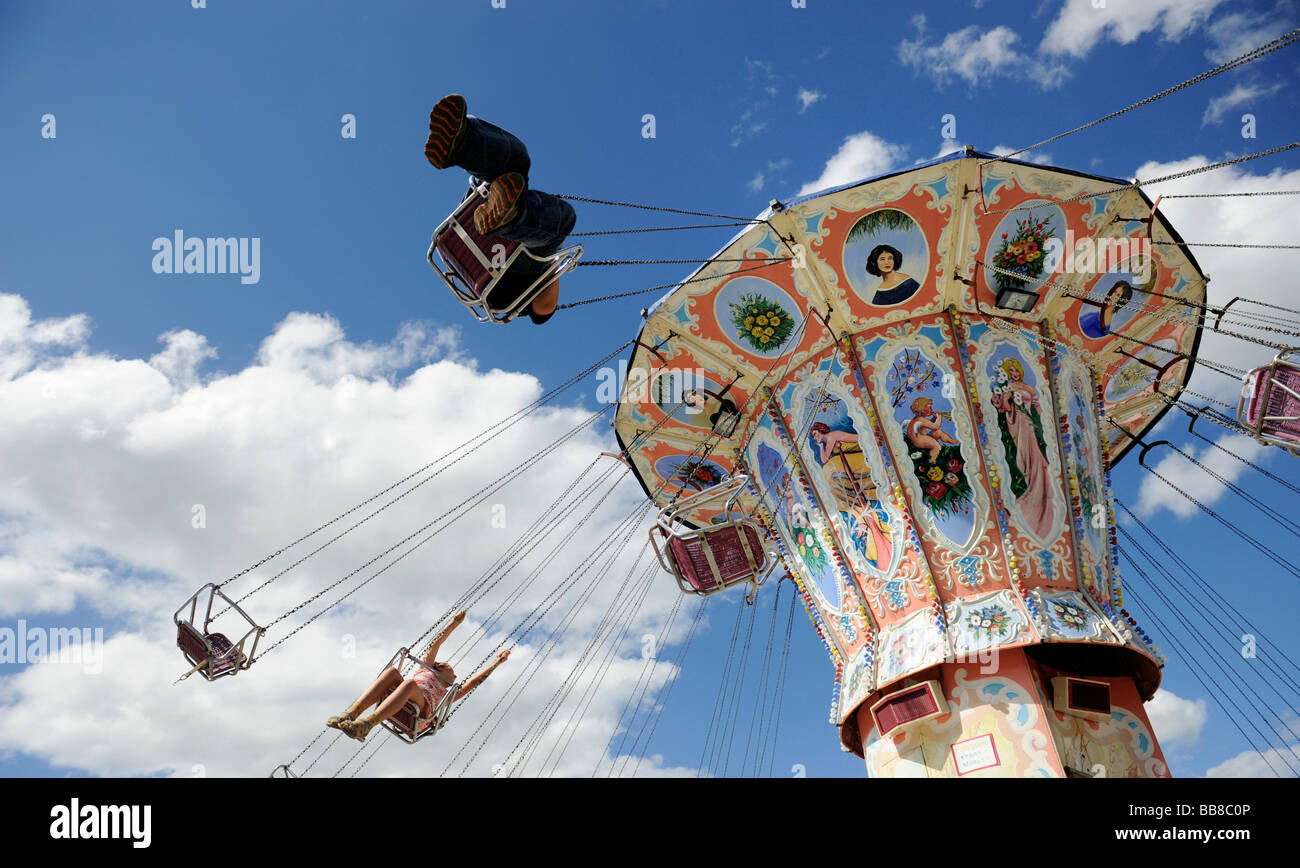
(718, 557)
(707, 560)
(408, 724)
(213, 655)
(494, 277)
(1270, 403)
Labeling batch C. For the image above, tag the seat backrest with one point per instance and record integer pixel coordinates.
(470, 262)
(724, 543)
(1282, 405)
(191, 643)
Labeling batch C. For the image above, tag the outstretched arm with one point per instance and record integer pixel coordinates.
(431, 656)
(481, 677)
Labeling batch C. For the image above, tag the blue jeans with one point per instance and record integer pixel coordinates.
(487, 152)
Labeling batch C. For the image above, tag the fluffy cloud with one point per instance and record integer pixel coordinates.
(106, 459)
(1253, 764)
(861, 155)
(1176, 721)
(1080, 25)
(1155, 494)
(1035, 156)
(970, 54)
(1239, 95)
(1235, 34)
(1262, 275)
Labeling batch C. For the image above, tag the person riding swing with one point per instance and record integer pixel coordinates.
(497, 159)
(427, 688)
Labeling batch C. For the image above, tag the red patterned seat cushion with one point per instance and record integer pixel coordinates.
(688, 553)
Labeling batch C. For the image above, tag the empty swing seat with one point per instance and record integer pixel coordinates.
(210, 653)
(494, 277)
(710, 559)
(1270, 404)
(717, 557)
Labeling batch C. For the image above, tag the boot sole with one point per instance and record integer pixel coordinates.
(502, 196)
(445, 123)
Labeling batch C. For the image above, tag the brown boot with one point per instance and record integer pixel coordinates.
(446, 130)
(502, 204)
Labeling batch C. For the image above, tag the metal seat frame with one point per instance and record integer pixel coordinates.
(1256, 429)
(441, 711)
(208, 667)
(670, 524)
(463, 291)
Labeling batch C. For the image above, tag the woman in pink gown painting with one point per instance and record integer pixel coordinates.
(1021, 423)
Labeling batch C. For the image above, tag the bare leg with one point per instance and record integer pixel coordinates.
(545, 302)
(925, 441)
(407, 691)
(386, 680)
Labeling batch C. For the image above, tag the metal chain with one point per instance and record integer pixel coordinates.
(1155, 312)
(480, 494)
(563, 587)
(521, 548)
(637, 696)
(656, 229)
(589, 262)
(307, 770)
(527, 409)
(307, 748)
(372, 754)
(661, 701)
(1254, 54)
(1136, 183)
(1225, 244)
(1223, 195)
(574, 198)
(1290, 485)
(1284, 564)
(631, 603)
(1286, 523)
(662, 286)
(785, 668)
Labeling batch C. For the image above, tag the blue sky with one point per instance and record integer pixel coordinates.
(225, 121)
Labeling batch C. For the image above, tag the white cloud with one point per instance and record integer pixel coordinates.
(1253, 764)
(179, 362)
(104, 459)
(946, 147)
(1154, 493)
(1235, 34)
(1080, 25)
(969, 54)
(1239, 95)
(756, 183)
(1176, 720)
(807, 98)
(1035, 156)
(862, 155)
(1262, 275)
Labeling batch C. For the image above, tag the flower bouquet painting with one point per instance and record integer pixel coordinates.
(1023, 252)
(761, 322)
